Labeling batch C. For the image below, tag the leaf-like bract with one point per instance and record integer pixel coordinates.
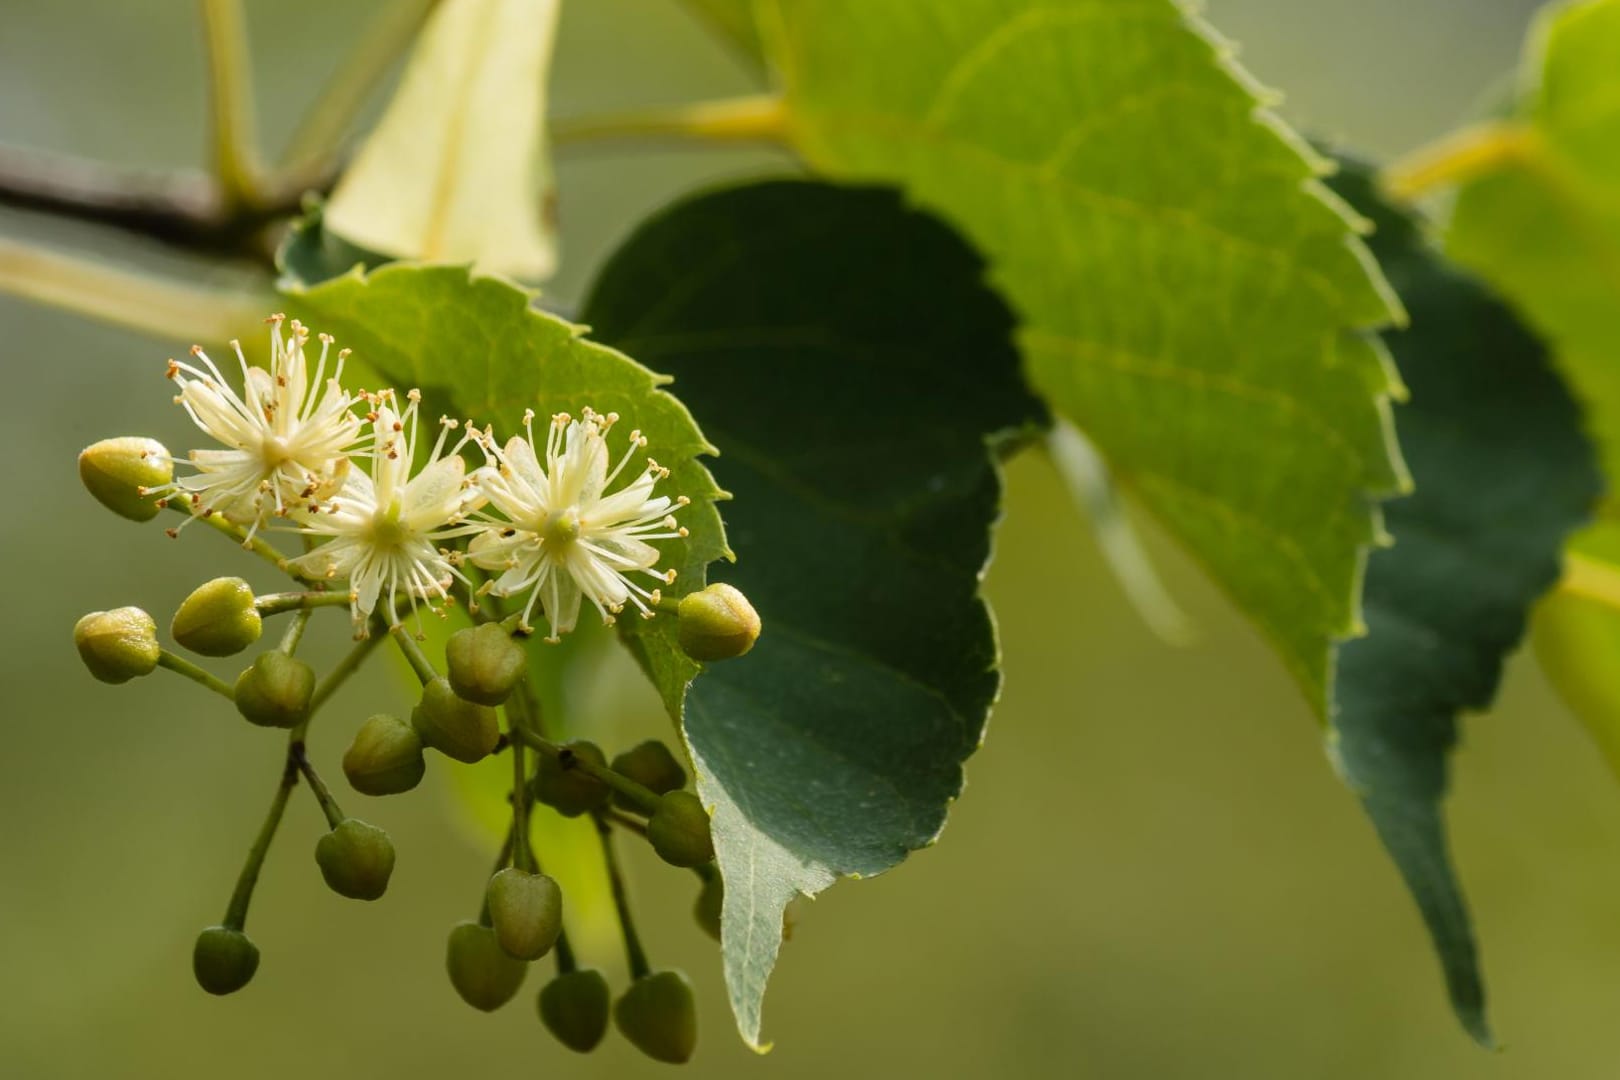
(1503, 475)
(847, 359)
(457, 169)
(1188, 295)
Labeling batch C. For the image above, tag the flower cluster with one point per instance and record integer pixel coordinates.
(342, 468)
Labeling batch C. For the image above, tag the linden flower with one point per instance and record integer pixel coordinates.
(384, 528)
(287, 440)
(563, 537)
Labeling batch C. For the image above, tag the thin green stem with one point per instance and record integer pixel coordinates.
(757, 118)
(645, 799)
(626, 822)
(1458, 157)
(327, 121)
(503, 859)
(230, 100)
(323, 794)
(295, 631)
(236, 913)
(216, 521)
(166, 309)
(181, 666)
(343, 669)
(1091, 484)
(565, 954)
(280, 603)
(637, 957)
(413, 653)
(522, 856)
(523, 711)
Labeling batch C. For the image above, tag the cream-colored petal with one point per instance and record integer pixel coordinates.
(434, 496)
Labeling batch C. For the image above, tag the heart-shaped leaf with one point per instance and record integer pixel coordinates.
(846, 357)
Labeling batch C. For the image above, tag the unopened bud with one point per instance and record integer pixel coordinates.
(276, 690)
(482, 973)
(117, 645)
(485, 663)
(224, 960)
(717, 623)
(121, 473)
(567, 789)
(653, 766)
(526, 912)
(679, 830)
(574, 1007)
(356, 859)
(659, 1016)
(454, 726)
(385, 757)
(218, 618)
(711, 901)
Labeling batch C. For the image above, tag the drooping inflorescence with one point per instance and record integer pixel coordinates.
(389, 525)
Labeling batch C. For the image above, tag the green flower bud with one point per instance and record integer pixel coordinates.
(224, 960)
(717, 623)
(652, 765)
(709, 903)
(117, 645)
(659, 1016)
(570, 791)
(574, 1007)
(485, 663)
(218, 619)
(526, 912)
(453, 726)
(356, 859)
(482, 973)
(679, 830)
(276, 690)
(385, 757)
(121, 472)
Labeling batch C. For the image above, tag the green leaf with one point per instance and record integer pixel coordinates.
(1188, 296)
(1538, 215)
(1503, 476)
(1577, 636)
(457, 169)
(1540, 219)
(310, 252)
(478, 344)
(854, 370)
(733, 20)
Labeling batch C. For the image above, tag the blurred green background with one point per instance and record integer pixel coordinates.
(1154, 873)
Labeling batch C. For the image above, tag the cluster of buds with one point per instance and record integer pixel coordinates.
(535, 526)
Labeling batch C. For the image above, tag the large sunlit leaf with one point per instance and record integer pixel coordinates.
(1503, 475)
(477, 344)
(457, 169)
(846, 357)
(1188, 295)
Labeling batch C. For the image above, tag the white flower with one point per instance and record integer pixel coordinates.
(286, 440)
(563, 536)
(384, 528)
